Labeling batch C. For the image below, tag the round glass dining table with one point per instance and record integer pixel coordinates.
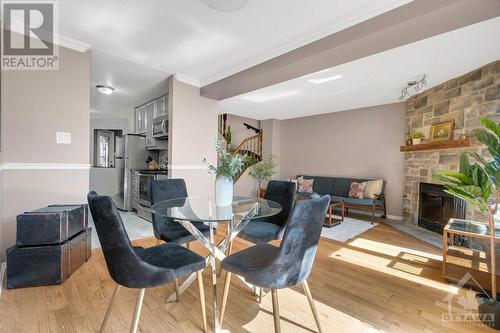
(205, 209)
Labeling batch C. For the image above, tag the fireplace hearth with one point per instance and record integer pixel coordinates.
(436, 207)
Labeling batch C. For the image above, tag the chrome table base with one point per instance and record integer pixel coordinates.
(217, 252)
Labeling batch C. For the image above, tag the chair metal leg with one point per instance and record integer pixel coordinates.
(307, 291)
(261, 294)
(276, 311)
(202, 300)
(225, 292)
(177, 291)
(137, 312)
(110, 307)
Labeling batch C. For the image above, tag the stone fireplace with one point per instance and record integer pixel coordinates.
(465, 100)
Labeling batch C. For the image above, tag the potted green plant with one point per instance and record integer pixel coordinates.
(263, 170)
(228, 167)
(416, 137)
(229, 137)
(479, 185)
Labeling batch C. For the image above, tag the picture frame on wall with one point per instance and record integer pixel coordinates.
(442, 131)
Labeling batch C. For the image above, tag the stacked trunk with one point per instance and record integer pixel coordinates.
(51, 244)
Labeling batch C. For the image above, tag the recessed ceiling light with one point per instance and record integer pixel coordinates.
(106, 90)
(326, 79)
(226, 5)
(264, 97)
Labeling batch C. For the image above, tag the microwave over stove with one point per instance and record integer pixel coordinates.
(160, 127)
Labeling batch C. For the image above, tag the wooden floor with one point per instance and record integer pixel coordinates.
(383, 280)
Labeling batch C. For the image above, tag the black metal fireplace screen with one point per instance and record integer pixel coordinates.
(436, 207)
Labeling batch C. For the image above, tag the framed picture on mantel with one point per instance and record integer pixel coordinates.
(442, 131)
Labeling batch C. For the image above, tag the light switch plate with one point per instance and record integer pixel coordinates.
(63, 138)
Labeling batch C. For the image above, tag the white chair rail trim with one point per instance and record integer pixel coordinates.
(187, 167)
(44, 166)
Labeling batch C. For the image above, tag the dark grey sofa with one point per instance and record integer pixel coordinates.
(338, 189)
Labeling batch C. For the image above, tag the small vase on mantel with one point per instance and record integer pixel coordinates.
(223, 191)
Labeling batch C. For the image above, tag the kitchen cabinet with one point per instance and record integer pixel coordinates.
(161, 107)
(150, 109)
(144, 120)
(140, 120)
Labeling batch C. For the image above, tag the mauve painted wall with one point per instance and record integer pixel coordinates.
(36, 104)
(356, 143)
(192, 132)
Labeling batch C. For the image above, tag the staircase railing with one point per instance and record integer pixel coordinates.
(252, 147)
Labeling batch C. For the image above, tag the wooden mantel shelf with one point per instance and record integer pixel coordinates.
(459, 143)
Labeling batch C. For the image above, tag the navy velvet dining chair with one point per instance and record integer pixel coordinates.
(290, 264)
(166, 229)
(137, 267)
(266, 229)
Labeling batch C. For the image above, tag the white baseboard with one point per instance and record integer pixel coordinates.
(3, 268)
(395, 217)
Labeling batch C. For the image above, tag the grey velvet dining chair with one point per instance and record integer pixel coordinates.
(137, 267)
(267, 266)
(166, 229)
(266, 229)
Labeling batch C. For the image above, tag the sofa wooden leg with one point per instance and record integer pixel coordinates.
(385, 210)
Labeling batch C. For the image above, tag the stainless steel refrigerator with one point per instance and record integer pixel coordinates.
(131, 154)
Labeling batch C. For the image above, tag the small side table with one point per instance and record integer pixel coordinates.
(475, 262)
(331, 220)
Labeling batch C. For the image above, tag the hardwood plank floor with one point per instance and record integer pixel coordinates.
(381, 281)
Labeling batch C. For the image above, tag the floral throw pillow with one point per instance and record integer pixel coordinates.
(305, 185)
(357, 190)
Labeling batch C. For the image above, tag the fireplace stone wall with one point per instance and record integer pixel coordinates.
(464, 99)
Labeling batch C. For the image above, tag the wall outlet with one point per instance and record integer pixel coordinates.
(63, 138)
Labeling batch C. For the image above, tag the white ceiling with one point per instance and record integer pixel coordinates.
(137, 43)
(376, 79)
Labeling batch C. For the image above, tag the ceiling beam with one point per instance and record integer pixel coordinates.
(409, 23)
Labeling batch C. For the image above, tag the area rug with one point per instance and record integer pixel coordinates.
(349, 228)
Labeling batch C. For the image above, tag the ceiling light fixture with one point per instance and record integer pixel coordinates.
(264, 97)
(106, 90)
(326, 79)
(413, 88)
(226, 5)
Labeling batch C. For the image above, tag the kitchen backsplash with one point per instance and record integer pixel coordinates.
(163, 159)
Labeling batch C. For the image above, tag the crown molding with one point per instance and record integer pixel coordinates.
(72, 44)
(187, 79)
(59, 40)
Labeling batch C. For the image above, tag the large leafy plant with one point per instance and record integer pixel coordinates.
(229, 165)
(479, 183)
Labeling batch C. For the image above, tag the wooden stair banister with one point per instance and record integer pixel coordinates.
(251, 146)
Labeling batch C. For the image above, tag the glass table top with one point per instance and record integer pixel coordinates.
(472, 227)
(204, 209)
